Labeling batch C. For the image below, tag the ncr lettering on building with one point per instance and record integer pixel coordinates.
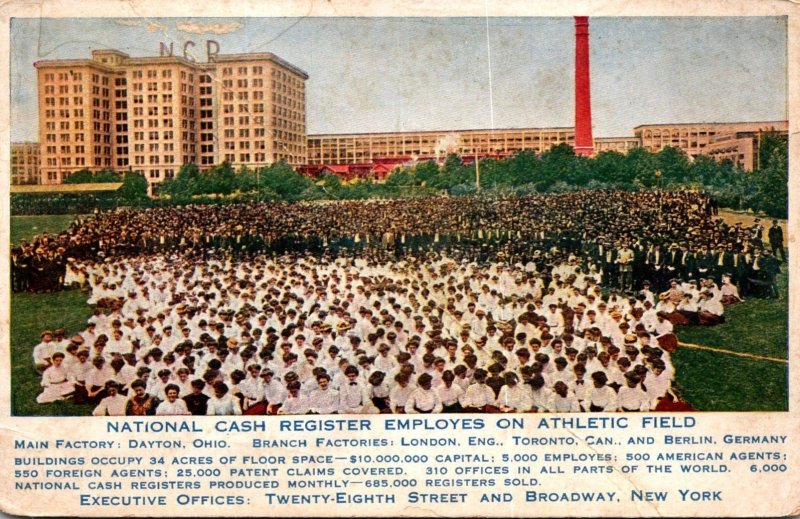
(153, 114)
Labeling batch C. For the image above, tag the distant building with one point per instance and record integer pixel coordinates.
(24, 163)
(353, 148)
(153, 114)
(740, 148)
(693, 138)
(619, 144)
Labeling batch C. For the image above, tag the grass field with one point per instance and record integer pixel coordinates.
(26, 227)
(718, 382)
(30, 315)
(710, 381)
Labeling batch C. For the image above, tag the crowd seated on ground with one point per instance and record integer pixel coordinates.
(533, 304)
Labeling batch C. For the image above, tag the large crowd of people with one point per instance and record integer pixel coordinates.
(532, 304)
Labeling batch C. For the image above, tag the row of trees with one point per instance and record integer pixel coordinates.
(556, 170)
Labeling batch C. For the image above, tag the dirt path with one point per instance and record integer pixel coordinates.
(732, 217)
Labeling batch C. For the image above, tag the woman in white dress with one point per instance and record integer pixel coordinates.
(56, 381)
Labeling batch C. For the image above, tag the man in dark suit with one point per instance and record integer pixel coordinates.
(775, 235)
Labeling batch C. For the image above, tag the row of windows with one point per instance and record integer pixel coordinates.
(140, 160)
(139, 136)
(64, 76)
(166, 73)
(244, 133)
(243, 108)
(152, 73)
(245, 145)
(154, 147)
(242, 71)
(258, 95)
(152, 110)
(242, 83)
(245, 157)
(63, 89)
(165, 123)
(51, 150)
(65, 125)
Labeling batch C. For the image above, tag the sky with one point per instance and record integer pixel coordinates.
(403, 74)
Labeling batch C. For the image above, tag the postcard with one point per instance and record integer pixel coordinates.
(399, 259)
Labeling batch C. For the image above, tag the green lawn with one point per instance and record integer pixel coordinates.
(26, 227)
(718, 382)
(30, 315)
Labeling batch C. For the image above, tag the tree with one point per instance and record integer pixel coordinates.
(611, 168)
(772, 180)
(425, 172)
(288, 184)
(133, 189)
(674, 166)
(555, 165)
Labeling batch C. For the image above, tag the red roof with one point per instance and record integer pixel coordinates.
(384, 168)
(336, 168)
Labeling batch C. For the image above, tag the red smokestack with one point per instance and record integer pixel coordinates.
(584, 145)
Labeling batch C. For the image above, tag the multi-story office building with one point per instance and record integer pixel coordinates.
(24, 163)
(153, 114)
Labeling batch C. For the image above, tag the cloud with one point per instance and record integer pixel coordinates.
(209, 28)
(128, 22)
(154, 26)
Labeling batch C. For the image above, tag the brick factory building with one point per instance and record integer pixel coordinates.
(153, 114)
